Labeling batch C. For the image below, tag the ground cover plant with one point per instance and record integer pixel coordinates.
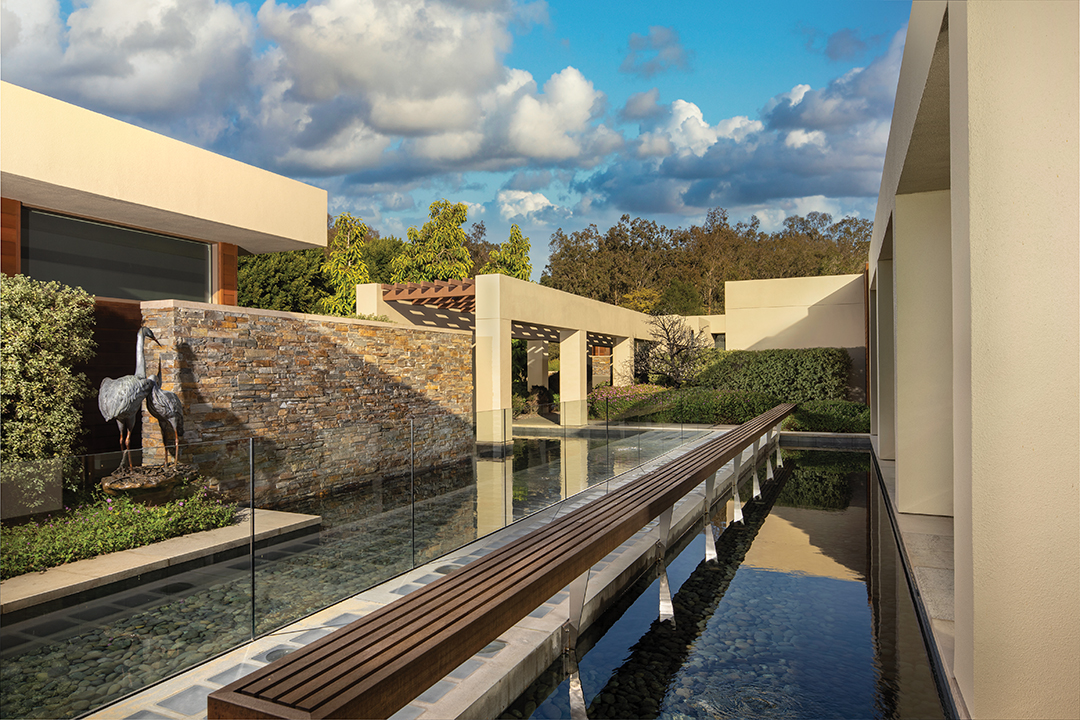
(107, 525)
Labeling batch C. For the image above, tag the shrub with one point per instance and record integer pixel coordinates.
(791, 375)
(820, 479)
(838, 416)
(46, 329)
(107, 525)
(622, 401)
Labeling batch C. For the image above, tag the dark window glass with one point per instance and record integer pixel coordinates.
(114, 261)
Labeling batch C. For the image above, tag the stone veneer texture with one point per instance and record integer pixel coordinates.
(327, 401)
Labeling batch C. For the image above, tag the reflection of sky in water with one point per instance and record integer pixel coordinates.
(796, 633)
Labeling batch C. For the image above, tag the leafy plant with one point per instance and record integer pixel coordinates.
(344, 266)
(792, 375)
(291, 281)
(105, 526)
(437, 251)
(838, 416)
(820, 479)
(511, 258)
(46, 329)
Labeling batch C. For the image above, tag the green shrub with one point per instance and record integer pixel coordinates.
(105, 526)
(624, 401)
(46, 329)
(838, 416)
(791, 375)
(708, 406)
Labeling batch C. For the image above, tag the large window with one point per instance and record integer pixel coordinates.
(114, 261)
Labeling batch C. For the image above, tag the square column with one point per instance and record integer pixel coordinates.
(622, 362)
(884, 372)
(573, 373)
(494, 368)
(922, 250)
(537, 363)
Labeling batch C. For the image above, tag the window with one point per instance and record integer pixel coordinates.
(114, 261)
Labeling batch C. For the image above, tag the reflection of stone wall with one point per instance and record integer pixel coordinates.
(327, 401)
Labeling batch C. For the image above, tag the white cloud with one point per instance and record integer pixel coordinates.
(798, 138)
(548, 126)
(532, 207)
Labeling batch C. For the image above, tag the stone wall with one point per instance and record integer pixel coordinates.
(327, 402)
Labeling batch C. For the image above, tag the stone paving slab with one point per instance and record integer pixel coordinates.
(26, 591)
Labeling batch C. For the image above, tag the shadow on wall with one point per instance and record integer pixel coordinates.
(832, 321)
(329, 404)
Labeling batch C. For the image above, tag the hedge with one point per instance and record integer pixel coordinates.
(792, 375)
(838, 416)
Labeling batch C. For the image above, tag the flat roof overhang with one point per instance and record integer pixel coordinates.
(60, 157)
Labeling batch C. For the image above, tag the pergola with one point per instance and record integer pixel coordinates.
(496, 309)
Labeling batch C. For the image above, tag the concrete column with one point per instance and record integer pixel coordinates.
(573, 391)
(873, 361)
(622, 362)
(494, 366)
(538, 363)
(922, 250)
(494, 409)
(1018, 612)
(886, 357)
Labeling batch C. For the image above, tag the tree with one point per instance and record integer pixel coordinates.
(344, 266)
(479, 248)
(643, 300)
(47, 328)
(679, 298)
(512, 258)
(437, 251)
(677, 350)
(292, 281)
(379, 254)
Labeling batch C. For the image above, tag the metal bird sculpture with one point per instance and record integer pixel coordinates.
(166, 407)
(121, 399)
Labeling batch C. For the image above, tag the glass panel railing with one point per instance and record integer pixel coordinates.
(114, 625)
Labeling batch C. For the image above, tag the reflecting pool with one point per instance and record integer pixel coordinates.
(806, 615)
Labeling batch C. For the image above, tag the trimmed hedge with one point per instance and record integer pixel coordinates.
(705, 405)
(793, 375)
(820, 480)
(838, 416)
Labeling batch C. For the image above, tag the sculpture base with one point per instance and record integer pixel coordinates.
(151, 484)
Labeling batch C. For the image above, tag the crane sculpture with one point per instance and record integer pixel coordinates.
(121, 399)
(166, 407)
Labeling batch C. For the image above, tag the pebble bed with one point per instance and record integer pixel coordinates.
(747, 642)
(88, 656)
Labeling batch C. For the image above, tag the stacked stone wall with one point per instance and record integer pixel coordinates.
(327, 403)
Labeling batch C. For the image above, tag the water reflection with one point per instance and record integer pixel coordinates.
(806, 615)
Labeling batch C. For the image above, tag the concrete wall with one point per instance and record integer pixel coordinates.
(984, 158)
(61, 157)
(328, 401)
(811, 312)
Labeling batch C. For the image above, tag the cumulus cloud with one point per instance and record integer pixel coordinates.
(657, 52)
(531, 207)
(642, 106)
(807, 143)
(155, 59)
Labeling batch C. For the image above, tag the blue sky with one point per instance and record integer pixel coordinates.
(545, 114)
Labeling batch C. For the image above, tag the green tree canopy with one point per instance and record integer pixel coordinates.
(379, 253)
(292, 281)
(511, 258)
(437, 251)
(344, 266)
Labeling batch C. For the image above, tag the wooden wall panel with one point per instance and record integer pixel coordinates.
(10, 236)
(225, 260)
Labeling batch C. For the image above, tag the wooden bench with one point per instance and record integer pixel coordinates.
(376, 665)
